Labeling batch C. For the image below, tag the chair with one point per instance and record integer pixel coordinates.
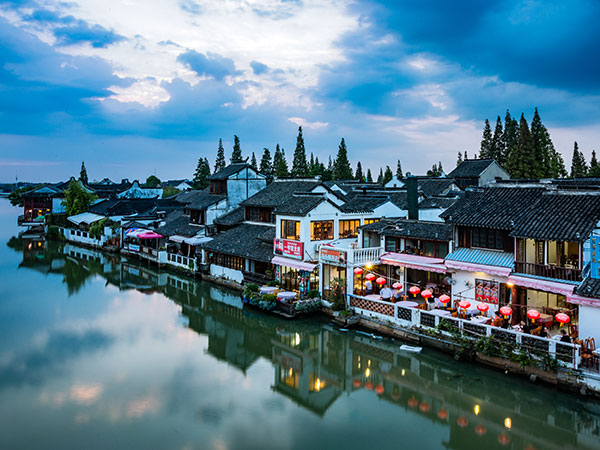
(587, 357)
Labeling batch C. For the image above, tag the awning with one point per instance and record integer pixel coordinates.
(542, 285)
(135, 232)
(414, 262)
(300, 265)
(583, 301)
(149, 235)
(194, 240)
(472, 267)
(178, 239)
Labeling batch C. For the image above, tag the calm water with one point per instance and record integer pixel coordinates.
(96, 352)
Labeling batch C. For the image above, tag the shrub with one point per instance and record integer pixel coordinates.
(270, 298)
(54, 233)
(313, 293)
(250, 289)
(273, 283)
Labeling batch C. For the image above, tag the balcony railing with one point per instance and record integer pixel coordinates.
(364, 255)
(548, 271)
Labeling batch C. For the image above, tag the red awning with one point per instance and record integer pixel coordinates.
(149, 235)
(555, 287)
(473, 267)
(414, 262)
(583, 301)
(287, 262)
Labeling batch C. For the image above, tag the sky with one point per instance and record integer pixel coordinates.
(140, 87)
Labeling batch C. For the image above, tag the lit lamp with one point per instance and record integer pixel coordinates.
(415, 290)
(505, 311)
(380, 281)
(533, 314)
(562, 318)
(426, 294)
(483, 307)
(358, 270)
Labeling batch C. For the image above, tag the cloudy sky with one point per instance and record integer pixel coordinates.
(141, 86)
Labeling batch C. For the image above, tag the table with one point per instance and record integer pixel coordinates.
(440, 312)
(480, 319)
(408, 304)
(286, 295)
(373, 297)
(268, 289)
(545, 319)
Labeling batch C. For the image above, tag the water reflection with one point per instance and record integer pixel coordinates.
(199, 371)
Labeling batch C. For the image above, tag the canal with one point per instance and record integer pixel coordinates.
(99, 352)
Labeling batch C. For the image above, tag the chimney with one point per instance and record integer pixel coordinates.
(412, 197)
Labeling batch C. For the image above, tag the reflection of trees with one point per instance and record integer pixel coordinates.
(74, 276)
(15, 243)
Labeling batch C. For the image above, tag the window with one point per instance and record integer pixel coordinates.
(257, 214)
(322, 230)
(392, 244)
(349, 228)
(229, 261)
(290, 229)
(488, 238)
(368, 221)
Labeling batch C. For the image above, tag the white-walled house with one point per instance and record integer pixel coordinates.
(81, 224)
(238, 182)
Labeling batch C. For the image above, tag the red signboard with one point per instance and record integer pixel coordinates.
(334, 256)
(289, 248)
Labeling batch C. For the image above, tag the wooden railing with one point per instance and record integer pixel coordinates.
(548, 271)
(258, 278)
(365, 255)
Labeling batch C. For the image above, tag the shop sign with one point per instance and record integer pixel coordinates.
(333, 256)
(134, 247)
(595, 257)
(285, 247)
(486, 291)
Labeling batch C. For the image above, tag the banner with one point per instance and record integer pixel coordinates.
(285, 247)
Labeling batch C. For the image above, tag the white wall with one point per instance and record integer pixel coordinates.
(460, 277)
(589, 318)
(216, 210)
(490, 174)
(57, 206)
(243, 185)
(224, 272)
(432, 214)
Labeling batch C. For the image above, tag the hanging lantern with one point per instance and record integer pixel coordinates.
(442, 413)
(397, 285)
(357, 383)
(414, 290)
(462, 422)
(506, 311)
(424, 407)
(426, 294)
(379, 389)
(464, 304)
(483, 307)
(445, 299)
(370, 276)
(480, 430)
(413, 402)
(358, 270)
(562, 318)
(369, 386)
(380, 281)
(533, 314)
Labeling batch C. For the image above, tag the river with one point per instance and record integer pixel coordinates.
(98, 352)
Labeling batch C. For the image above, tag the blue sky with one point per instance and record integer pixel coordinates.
(139, 87)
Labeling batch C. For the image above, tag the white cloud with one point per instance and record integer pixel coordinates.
(306, 124)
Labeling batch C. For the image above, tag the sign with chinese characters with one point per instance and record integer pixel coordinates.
(134, 247)
(595, 257)
(486, 291)
(285, 247)
(333, 256)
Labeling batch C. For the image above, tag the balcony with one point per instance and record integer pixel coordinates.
(548, 271)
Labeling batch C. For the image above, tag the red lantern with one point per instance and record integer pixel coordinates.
(503, 439)
(480, 430)
(426, 294)
(506, 311)
(397, 285)
(442, 413)
(379, 389)
(483, 307)
(380, 281)
(370, 277)
(464, 304)
(462, 422)
(414, 290)
(445, 299)
(533, 314)
(424, 407)
(562, 318)
(357, 383)
(413, 402)
(358, 270)
(369, 385)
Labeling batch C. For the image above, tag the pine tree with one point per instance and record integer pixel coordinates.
(311, 165)
(83, 176)
(521, 159)
(497, 145)
(202, 173)
(380, 176)
(341, 166)
(436, 170)
(466, 156)
(509, 138)
(594, 167)
(358, 175)
(459, 160)
(369, 176)
(266, 166)
(253, 162)
(399, 174)
(486, 141)
(280, 166)
(318, 168)
(299, 164)
(220, 161)
(387, 176)
(539, 135)
(236, 154)
(578, 164)
(440, 169)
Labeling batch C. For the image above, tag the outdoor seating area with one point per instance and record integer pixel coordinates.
(273, 298)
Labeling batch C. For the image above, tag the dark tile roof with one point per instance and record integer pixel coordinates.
(233, 217)
(470, 168)
(587, 183)
(107, 190)
(419, 229)
(364, 203)
(128, 207)
(176, 223)
(442, 202)
(280, 191)
(246, 240)
(228, 171)
(434, 186)
(300, 204)
(175, 182)
(589, 287)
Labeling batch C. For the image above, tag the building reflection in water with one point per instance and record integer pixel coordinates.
(314, 364)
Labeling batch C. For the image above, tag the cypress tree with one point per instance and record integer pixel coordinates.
(280, 166)
(466, 156)
(202, 173)
(311, 165)
(486, 141)
(299, 165)
(459, 160)
(497, 145)
(253, 163)
(594, 167)
(318, 168)
(359, 173)
(266, 166)
(509, 138)
(578, 164)
(220, 161)
(380, 176)
(521, 159)
(387, 176)
(83, 176)
(399, 174)
(236, 154)
(539, 134)
(341, 166)
(369, 176)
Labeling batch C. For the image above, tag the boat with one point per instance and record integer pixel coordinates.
(371, 335)
(410, 348)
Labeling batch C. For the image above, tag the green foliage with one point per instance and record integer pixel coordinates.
(594, 167)
(97, 228)
(578, 165)
(220, 160)
(388, 175)
(399, 174)
(486, 142)
(380, 176)
(266, 165)
(83, 176)
(436, 170)
(280, 166)
(497, 147)
(253, 162)
(170, 191)
(16, 197)
(336, 294)
(341, 166)
(313, 293)
(152, 181)
(54, 233)
(358, 175)
(273, 283)
(308, 305)
(201, 175)
(369, 176)
(77, 199)
(236, 154)
(346, 313)
(299, 164)
(459, 160)
(250, 289)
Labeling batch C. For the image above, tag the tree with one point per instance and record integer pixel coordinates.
(220, 161)
(253, 163)
(594, 167)
(578, 165)
(341, 166)
(509, 137)
(16, 196)
(236, 154)
(521, 159)
(369, 176)
(83, 176)
(358, 175)
(280, 166)
(466, 157)
(170, 191)
(399, 174)
(77, 199)
(486, 141)
(152, 181)
(497, 145)
(266, 166)
(436, 170)
(387, 176)
(541, 159)
(201, 175)
(380, 176)
(299, 164)
(459, 160)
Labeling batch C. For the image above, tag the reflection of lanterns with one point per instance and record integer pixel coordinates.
(413, 402)
(562, 318)
(476, 409)
(444, 299)
(357, 383)
(426, 294)
(358, 270)
(369, 386)
(506, 311)
(462, 422)
(483, 307)
(533, 314)
(367, 372)
(424, 407)
(414, 290)
(508, 423)
(442, 413)
(397, 285)
(380, 281)
(370, 277)
(503, 439)
(379, 389)
(480, 430)
(464, 304)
